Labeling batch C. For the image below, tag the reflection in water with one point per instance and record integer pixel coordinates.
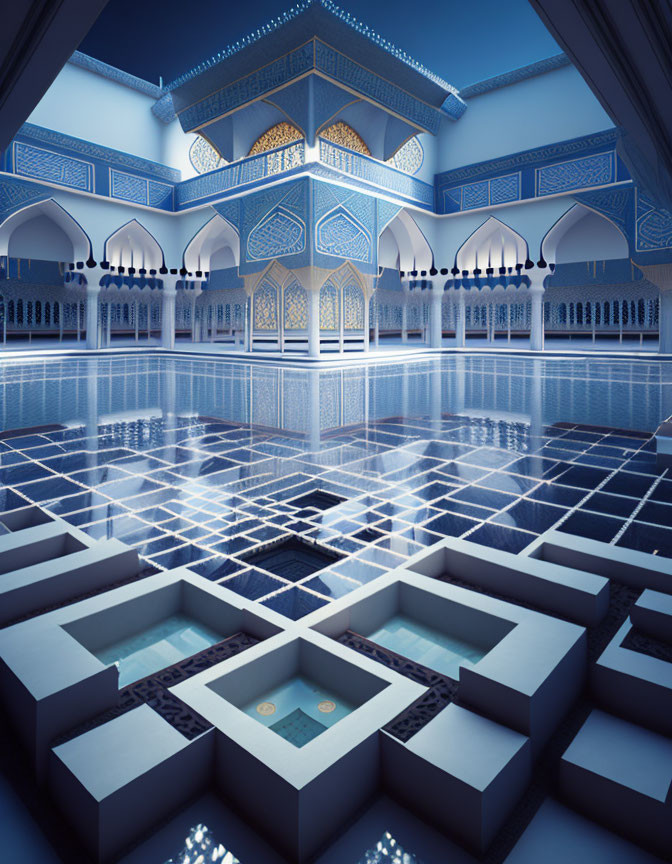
(531, 391)
(388, 851)
(200, 846)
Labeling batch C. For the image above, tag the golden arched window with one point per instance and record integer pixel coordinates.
(344, 135)
(277, 136)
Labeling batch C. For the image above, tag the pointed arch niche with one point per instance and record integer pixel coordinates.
(494, 245)
(132, 245)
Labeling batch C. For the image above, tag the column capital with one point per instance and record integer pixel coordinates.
(537, 277)
(93, 275)
(169, 282)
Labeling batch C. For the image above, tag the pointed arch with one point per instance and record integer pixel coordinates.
(133, 245)
(403, 246)
(204, 156)
(208, 246)
(493, 244)
(72, 240)
(266, 299)
(342, 235)
(583, 234)
(277, 136)
(344, 135)
(330, 306)
(294, 304)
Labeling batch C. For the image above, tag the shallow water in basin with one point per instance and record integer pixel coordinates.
(298, 710)
(164, 644)
(426, 645)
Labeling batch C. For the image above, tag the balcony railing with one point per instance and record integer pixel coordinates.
(376, 173)
(241, 173)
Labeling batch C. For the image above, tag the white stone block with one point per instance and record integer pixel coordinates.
(620, 775)
(462, 771)
(116, 781)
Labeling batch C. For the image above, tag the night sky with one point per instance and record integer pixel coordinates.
(463, 42)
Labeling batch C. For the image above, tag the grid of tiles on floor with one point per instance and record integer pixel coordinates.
(205, 493)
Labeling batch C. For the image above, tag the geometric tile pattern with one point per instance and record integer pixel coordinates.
(295, 307)
(204, 492)
(204, 157)
(587, 171)
(338, 234)
(329, 306)
(53, 167)
(409, 157)
(353, 308)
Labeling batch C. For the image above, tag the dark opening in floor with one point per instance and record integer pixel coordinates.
(292, 559)
(318, 499)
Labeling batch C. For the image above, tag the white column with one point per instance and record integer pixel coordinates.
(313, 323)
(168, 295)
(537, 277)
(661, 275)
(665, 321)
(405, 289)
(367, 303)
(341, 318)
(435, 324)
(247, 343)
(461, 322)
(93, 278)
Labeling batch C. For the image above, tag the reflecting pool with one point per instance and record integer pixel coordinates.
(223, 465)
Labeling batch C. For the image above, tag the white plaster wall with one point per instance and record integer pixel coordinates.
(88, 106)
(532, 220)
(175, 149)
(428, 168)
(556, 106)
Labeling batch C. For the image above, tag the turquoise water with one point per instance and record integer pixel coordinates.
(164, 644)
(298, 710)
(425, 645)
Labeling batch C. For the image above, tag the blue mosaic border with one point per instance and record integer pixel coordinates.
(97, 153)
(565, 166)
(597, 170)
(91, 64)
(557, 61)
(250, 87)
(653, 227)
(41, 164)
(140, 190)
(316, 55)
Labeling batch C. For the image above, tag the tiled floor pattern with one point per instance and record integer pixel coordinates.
(203, 493)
